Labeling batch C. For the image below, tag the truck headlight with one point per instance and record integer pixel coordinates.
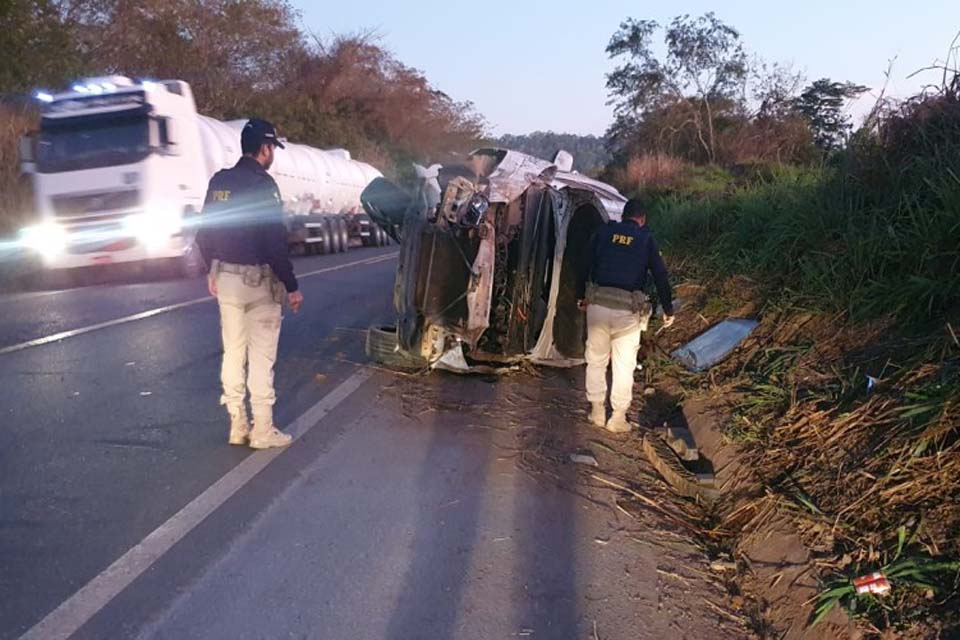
(47, 239)
(155, 228)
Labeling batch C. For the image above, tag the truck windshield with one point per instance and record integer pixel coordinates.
(89, 143)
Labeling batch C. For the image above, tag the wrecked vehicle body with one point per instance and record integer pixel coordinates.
(491, 252)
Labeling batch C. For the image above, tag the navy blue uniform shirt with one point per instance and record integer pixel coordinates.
(620, 255)
(242, 221)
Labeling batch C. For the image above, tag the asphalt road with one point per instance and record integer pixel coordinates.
(107, 434)
(373, 524)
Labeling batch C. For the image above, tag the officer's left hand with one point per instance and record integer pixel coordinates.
(212, 285)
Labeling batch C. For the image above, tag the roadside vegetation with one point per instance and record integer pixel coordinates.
(846, 243)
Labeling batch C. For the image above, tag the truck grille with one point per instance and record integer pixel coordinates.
(96, 204)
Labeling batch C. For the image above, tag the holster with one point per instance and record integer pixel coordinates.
(619, 299)
(277, 290)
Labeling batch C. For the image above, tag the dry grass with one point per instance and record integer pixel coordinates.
(852, 466)
(654, 172)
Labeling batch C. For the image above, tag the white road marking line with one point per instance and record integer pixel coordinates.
(79, 608)
(63, 335)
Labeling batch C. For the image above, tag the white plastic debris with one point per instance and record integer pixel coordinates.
(715, 344)
(580, 458)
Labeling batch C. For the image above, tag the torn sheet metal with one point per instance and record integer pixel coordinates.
(481, 285)
(715, 344)
(514, 173)
(454, 361)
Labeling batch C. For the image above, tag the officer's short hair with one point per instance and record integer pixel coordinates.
(249, 148)
(636, 208)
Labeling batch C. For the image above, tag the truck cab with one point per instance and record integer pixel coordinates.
(118, 173)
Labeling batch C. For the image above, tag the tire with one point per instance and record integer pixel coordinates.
(382, 347)
(325, 247)
(344, 234)
(298, 242)
(334, 235)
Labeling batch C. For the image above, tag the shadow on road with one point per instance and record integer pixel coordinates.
(489, 516)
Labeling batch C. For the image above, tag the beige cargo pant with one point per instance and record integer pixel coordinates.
(250, 326)
(612, 335)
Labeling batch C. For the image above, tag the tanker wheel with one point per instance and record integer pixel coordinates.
(344, 234)
(329, 239)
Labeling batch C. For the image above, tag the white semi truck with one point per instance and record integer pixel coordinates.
(120, 170)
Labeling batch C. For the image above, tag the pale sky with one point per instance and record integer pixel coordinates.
(530, 65)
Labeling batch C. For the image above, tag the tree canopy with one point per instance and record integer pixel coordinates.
(243, 58)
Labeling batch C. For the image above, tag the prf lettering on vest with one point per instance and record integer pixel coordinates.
(221, 196)
(621, 239)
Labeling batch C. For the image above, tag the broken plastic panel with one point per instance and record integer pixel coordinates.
(715, 344)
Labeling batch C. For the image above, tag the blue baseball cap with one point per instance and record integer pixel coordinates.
(257, 132)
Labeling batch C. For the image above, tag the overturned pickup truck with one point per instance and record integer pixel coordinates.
(491, 252)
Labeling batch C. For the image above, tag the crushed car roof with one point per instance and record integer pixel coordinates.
(516, 171)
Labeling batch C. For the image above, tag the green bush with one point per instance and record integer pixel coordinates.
(808, 233)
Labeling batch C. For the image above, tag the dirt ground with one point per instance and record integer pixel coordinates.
(537, 420)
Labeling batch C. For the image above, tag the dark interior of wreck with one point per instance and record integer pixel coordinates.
(437, 257)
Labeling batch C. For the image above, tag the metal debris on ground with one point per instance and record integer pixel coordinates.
(584, 458)
(875, 583)
(715, 344)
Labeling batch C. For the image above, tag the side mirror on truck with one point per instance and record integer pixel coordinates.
(167, 133)
(28, 156)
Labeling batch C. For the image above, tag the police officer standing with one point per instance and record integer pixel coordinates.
(243, 240)
(611, 290)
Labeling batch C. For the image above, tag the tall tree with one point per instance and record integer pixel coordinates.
(225, 49)
(822, 104)
(704, 66)
(38, 45)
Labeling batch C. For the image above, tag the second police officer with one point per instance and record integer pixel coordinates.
(619, 257)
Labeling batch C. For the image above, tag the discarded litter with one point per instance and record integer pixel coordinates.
(872, 382)
(146, 393)
(649, 391)
(875, 583)
(581, 458)
(715, 344)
